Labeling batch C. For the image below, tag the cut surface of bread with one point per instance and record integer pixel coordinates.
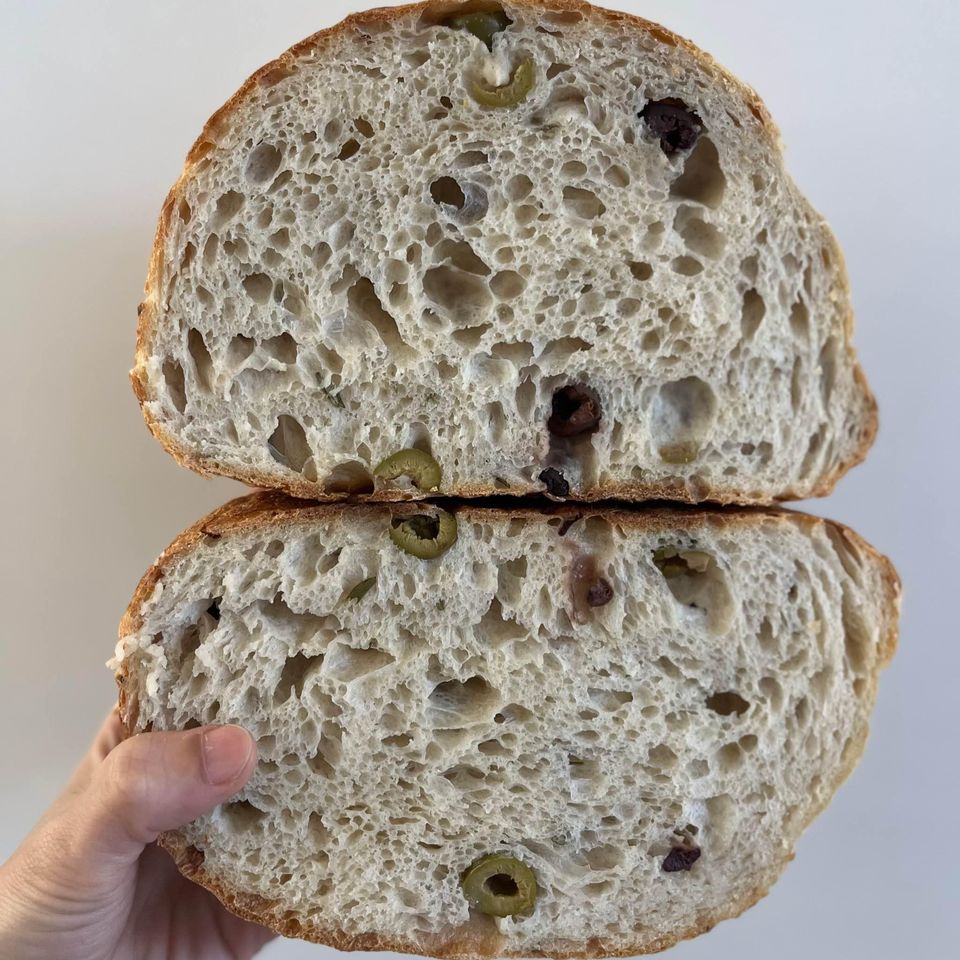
(566, 245)
(645, 709)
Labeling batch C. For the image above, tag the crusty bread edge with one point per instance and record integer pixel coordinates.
(270, 510)
(148, 311)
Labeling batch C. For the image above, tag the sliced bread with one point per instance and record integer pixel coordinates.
(553, 246)
(509, 732)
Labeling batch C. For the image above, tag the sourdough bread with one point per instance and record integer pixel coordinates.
(643, 708)
(612, 278)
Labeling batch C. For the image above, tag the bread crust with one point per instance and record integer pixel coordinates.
(633, 491)
(274, 510)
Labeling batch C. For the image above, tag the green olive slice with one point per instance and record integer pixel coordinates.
(679, 454)
(362, 589)
(510, 94)
(500, 886)
(420, 467)
(484, 26)
(425, 536)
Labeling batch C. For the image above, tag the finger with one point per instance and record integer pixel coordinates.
(161, 781)
(109, 735)
(195, 907)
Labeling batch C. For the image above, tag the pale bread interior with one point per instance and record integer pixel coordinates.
(362, 258)
(476, 703)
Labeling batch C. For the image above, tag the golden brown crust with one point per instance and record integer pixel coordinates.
(461, 946)
(275, 510)
(696, 492)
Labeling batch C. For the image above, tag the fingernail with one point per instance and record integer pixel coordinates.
(224, 753)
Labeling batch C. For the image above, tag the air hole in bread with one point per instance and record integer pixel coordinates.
(683, 416)
(750, 268)
(460, 254)
(555, 69)
(495, 626)
(296, 671)
(573, 170)
(470, 337)
(447, 191)
(729, 758)
(321, 766)
(288, 445)
(228, 206)
(351, 663)
(454, 703)
(259, 287)
(617, 176)
(556, 354)
(727, 704)
(364, 127)
(850, 558)
(366, 305)
(414, 59)
(567, 105)
(518, 188)
(772, 692)
(800, 321)
(211, 250)
(753, 313)
(462, 296)
(697, 583)
(703, 180)
(472, 158)
(641, 271)
(700, 237)
(583, 769)
(176, 388)
(263, 162)
(661, 757)
(507, 285)
(519, 353)
(576, 410)
(605, 857)
(856, 634)
(242, 816)
(829, 368)
(282, 349)
(687, 266)
(584, 204)
(280, 240)
(351, 478)
(609, 701)
(464, 777)
(350, 149)
(814, 455)
(202, 362)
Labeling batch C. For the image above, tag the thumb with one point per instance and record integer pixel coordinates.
(160, 781)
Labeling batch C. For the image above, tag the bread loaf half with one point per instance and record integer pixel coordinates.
(516, 733)
(552, 245)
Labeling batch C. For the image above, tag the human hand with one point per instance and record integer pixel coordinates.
(88, 883)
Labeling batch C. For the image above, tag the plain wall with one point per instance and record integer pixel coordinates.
(100, 101)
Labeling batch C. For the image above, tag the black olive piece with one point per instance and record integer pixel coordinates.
(600, 594)
(677, 126)
(576, 410)
(681, 859)
(556, 483)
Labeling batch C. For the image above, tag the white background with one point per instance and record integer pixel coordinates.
(99, 102)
